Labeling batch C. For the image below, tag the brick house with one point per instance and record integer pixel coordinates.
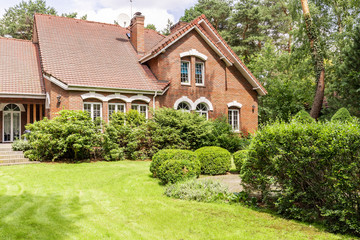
(103, 68)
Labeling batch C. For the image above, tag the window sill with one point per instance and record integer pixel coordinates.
(200, 85)
(185, 84)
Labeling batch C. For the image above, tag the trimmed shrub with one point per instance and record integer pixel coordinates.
(310, 172)
(201, 190)
(20, 145)
(214, 160)
(115, 154)
(72, 135)
(303, 117)
(239, 158)
(169, 154)
(342, 115)
(172, 171)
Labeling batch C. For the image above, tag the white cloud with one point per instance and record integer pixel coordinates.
(156, 11)
(155, 16)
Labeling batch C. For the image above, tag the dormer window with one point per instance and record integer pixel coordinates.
(185, 72)
(199, 73)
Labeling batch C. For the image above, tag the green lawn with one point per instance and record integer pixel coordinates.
(120, 200)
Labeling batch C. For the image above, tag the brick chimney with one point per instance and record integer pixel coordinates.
(137, 32)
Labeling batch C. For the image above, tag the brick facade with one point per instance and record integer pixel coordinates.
(226, 85)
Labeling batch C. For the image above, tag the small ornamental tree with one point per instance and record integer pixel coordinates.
(342, 115)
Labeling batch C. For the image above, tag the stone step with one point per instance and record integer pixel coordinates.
(14, 160)
(5, 148)
(3, 153)
(18, 163)
(12, 156)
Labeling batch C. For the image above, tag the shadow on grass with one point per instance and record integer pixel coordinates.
(28, 216)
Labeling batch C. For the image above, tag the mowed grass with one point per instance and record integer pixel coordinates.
(119, 200)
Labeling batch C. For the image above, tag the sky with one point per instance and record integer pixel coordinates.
(156, 12)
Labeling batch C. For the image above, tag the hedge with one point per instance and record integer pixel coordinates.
(214, 160)
(172, 171)
(342, 115)
(311, 171)
(169, 154)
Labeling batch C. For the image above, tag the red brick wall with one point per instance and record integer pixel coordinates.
(222, 84)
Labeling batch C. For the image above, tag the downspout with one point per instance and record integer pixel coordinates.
(154, 105)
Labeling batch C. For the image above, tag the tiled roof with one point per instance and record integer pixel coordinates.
(91, 54)
(151, 38)
(226, 51)
(19, 67)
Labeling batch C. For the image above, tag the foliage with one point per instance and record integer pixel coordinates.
(151, 26)
(20, 145)
(18, 21)
(239, 158)
(201, 190)
(217, 11)
(342, 115)
(167, 30)
(127, 135)
(345, 88)
(214, 160)
(169, 154)
(172, 171)
(179, 129)
(303, 117)
(311, 170)
(71, 135)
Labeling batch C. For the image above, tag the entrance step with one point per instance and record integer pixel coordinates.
(10, 157)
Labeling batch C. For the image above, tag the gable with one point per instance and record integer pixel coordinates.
(214, 40)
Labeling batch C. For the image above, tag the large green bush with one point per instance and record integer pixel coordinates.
(311, 171)
(169, 154)
(214, 160)
(72, 135)
(342, 115)
(127, 135)
(172, 171)
(201, 190)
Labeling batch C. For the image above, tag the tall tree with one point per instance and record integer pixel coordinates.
(17, 22)
(167, 30)
(318, 61)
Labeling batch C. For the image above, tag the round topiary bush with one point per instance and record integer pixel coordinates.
(239, 158)
(169, 154)
(303, 117)
(172, 171)
(214, 160)
(342, 115)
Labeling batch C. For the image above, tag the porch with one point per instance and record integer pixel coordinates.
(15, 114)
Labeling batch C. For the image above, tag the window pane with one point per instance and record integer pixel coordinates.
(87, 107)
(183, 106)
(184, 72)
(111, 109)
(199, 73)
(121, 108)
(134, 107)
(97, 112)
(143, 110)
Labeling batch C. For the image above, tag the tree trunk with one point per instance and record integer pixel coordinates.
(318, 61)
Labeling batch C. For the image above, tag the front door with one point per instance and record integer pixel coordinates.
(11, 120)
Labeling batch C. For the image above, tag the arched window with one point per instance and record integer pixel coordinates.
(202, 109)
(11, 107)
(184, 106)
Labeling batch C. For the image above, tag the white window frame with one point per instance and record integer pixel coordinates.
(116, 108)
(202, 74)
(201, 112)
(234, 112)
(138, 108)
(189, 73)
(182, 109)
(92, 109)
(11, 112)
